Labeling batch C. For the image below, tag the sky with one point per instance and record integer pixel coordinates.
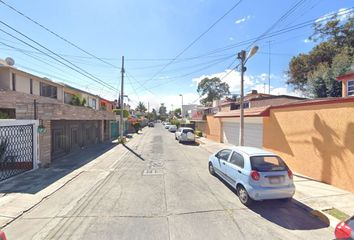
(151, 35)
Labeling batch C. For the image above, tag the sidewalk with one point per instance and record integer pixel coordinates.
(24, 191)
(311, 193)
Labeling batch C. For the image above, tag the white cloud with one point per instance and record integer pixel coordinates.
(306, 40)
(342, 15)
(231, 38)
(244, 19)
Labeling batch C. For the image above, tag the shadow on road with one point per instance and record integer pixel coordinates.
(292, 215)
(34, 181)
(190, 143)
(132, 151)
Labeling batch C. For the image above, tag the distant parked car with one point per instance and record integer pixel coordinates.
(345, 229)
(185, 135)
(167, 126)
(256, 174)
(151, 124)
(172, 128)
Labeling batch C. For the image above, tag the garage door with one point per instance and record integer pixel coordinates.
(253, 132)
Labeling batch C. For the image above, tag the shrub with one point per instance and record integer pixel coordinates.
(137, 127)
(199, 133)
(125, 112)
(4, 115)
(175, 122)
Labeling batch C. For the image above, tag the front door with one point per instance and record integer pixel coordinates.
(58, 142)
(74, 138)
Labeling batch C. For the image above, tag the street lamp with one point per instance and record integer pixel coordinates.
(181, 104)
(243, 58)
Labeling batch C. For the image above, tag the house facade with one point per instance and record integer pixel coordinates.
(66, 127)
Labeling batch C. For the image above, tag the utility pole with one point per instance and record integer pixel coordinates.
(121, 101)
(242, 57)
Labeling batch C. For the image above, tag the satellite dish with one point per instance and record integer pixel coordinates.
(10, 61)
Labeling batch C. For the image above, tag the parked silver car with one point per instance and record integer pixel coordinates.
(256, 174)
(172, 128)
(185, 134)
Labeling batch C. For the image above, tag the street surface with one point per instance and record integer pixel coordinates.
(159, 189)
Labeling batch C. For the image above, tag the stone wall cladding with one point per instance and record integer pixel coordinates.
(49, 109)
(45, 142)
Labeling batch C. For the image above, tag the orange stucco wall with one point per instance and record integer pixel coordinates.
(317, 141)
(213, 130)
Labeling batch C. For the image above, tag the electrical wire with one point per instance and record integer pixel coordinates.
(81, 71)
(56, 34)
(194, 41)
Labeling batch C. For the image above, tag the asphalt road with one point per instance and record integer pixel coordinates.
(158, 189)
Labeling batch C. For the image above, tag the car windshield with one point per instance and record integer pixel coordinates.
(267, 163)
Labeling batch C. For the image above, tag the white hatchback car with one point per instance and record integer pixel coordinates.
(185, 134)
(256, 174)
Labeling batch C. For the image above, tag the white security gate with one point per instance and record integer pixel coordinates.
(253, 131)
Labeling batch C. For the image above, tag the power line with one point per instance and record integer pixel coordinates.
(81, 71)
(56, 34)
(194, 41)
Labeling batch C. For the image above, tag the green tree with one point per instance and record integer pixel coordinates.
(162, 110)
(315, 73)
(212, 89)
(178, 112)
(141, 107)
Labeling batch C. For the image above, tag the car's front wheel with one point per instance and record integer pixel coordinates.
(211, 169)
(243, 196)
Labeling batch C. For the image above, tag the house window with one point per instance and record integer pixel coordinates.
(31, 86)
(13, 82)
(93, 103)
(48, 90)
(68, 98)
(350, 87)
(246, 105)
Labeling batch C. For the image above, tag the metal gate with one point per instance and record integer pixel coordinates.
(16, 150)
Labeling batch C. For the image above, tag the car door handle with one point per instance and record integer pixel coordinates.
(239, 171)
(223, 163)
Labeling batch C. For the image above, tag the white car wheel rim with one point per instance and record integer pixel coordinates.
(243, 195)
(211, 168)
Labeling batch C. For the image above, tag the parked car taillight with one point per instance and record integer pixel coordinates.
(343, 231)
(255, 175)
(290, 174)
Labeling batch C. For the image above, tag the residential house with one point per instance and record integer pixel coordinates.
(66, 127)
(255, 99)
(347, 84)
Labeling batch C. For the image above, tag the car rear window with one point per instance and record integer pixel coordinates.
(188, 130)
(268, 163)
(350, 222)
